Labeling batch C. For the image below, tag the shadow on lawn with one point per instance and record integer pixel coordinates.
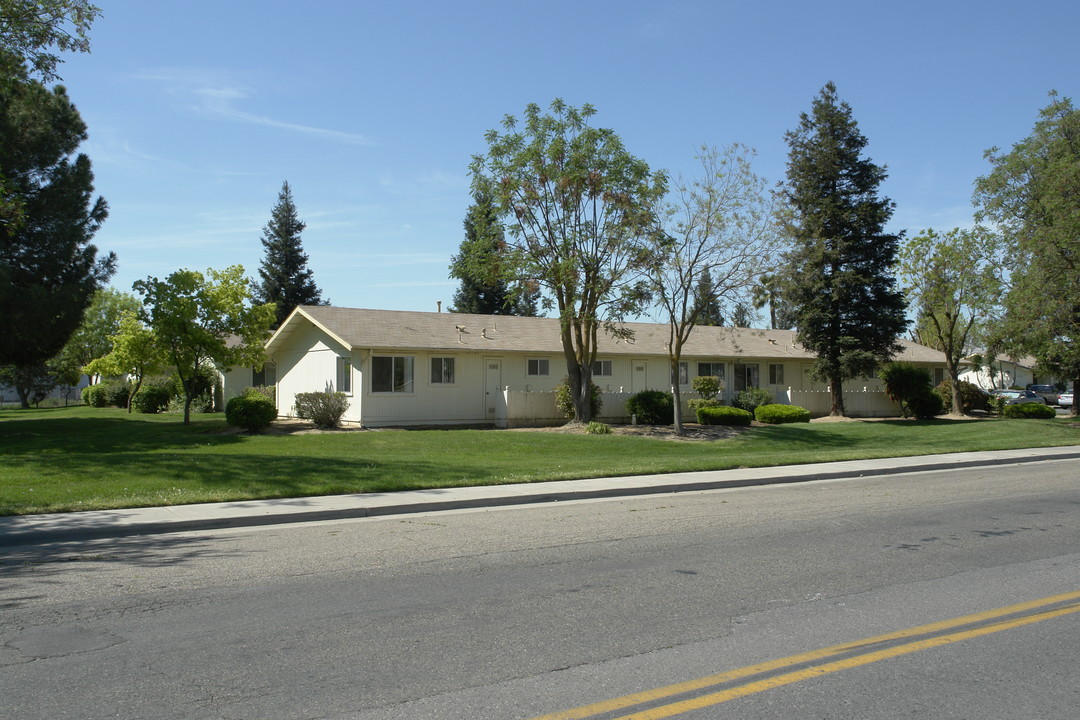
(103, 435)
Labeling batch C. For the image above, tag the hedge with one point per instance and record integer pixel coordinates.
(776, 414)
(652, 407)
(251, 412)
(723, 415)
(1028, 410)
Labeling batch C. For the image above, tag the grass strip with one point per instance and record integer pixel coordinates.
(80, 458)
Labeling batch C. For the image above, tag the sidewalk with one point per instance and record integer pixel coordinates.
(29, 529)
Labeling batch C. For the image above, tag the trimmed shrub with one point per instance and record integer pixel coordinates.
(696, 403)
(971, 396)
(776, 414)
(652, 407)
(153, 396)
(565, 404)
(723, 415)
(996, 403)
(116, 392)
(94, 396)
(750, 398)
(322, 408)
(597, 428)
(252, 412)
(926, 405)
(1028, 410)
(267, 391)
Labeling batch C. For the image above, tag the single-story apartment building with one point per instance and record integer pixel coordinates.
(431, 368)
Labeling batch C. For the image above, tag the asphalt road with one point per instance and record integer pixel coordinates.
(516, 613)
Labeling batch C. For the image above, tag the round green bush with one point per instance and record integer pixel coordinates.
(597, 428)
(116, 392)
(251, 412)
(776, 414)
(153, 397)
(565, 403)
(95, 396)
(652, 407)
(1028, 410)
(723, 415)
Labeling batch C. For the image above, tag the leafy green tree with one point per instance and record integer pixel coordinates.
(952, 279)
(286, 279)
(93, 338)
(135, 354)
(1030, 197)
(49, 270)
(580, 211)
(839, 278)
(484, 289)
(718, 230)
(202, 319)
(30, 31)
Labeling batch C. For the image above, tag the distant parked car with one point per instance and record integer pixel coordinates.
(1048, 393)
(1018, 397)
(1065, 399)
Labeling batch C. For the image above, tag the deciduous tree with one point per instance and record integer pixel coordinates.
(31, 32)
(718, 229)
(579, 208)
(952, 280)
(200, 319)
(839, 278)
(286, 279)
(135, 354)
(1031, 197)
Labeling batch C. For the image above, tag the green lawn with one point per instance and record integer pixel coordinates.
(85, 458)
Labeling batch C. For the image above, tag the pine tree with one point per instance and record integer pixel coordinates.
(49, 270)
(710, 312)
(484, 289)
(286, 279)
(840, 283)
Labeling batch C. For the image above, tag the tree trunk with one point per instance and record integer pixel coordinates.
(24, 397)
(676, 395)
(837, 388)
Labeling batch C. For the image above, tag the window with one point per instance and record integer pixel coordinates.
(746, 376)
(538, 367)
(711, 369)
(442, 371)
(344, 375)
(776, 374)
(392, 374)
(939, 376)
(684, 373)
(601, 368)
(258, 377)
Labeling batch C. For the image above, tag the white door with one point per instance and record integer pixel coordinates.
(492, 386)
(640, 375)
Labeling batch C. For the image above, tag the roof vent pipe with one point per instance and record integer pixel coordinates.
(438, 305)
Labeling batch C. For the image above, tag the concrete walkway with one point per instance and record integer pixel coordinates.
(28, 529)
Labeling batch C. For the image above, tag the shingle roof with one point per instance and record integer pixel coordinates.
(399, 329)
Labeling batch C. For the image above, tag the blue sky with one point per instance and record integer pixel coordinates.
(198, 111)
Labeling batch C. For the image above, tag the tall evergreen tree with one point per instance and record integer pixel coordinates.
(49, 270)
(710, 311)
(839, 280)
(479, 266)
(286, 278)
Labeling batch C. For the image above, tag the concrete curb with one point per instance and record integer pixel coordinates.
(64, 527)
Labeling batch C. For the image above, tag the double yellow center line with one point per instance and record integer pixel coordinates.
(715, 689)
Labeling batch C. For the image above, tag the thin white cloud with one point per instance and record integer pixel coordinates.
(215, 95)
